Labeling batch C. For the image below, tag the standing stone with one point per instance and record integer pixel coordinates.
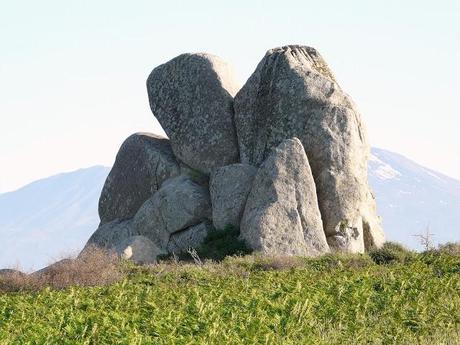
(192, 98)
(229, 188)
(293, 93)
(143, 162)
(192, 237)
(138, 249)
(282, 215)
(177, 205)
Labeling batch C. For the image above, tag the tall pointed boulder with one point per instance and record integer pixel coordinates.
(293, 93)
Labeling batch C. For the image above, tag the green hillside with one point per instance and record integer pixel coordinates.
(405, 299)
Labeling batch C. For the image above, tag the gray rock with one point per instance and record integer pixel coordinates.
(293, 93)
(143, 162)
(281, 216)
(177, 205)
(192, 237)
(108, 235)
(121, 238)
(53, 268)
(138, 249)
(372, 229)
(192, 98)
(229, 188)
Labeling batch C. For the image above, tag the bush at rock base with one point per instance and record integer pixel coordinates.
(217, 245)
(391, 252)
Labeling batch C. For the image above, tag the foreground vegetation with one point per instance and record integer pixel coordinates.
(390, 296)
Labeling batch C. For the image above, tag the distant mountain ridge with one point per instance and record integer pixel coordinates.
(56, 215)
(50, 217)
(412, 198)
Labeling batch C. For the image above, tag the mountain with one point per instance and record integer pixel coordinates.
(411, 198)
(55, 216)
(49, 218)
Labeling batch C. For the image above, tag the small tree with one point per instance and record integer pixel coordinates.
(426, 239)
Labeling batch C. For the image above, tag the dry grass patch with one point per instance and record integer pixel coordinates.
(95, 267)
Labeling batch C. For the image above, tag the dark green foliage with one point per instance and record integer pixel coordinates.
(217, 245)
(221, 243)
(391, 252)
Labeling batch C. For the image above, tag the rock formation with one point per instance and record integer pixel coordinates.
(293, 93)
(285, 161)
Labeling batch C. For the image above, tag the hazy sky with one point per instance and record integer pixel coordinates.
(72, 73)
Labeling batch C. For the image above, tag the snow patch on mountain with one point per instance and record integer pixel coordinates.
(381, 170)
(413, 199)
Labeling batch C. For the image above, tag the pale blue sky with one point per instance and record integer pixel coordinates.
(72, 73)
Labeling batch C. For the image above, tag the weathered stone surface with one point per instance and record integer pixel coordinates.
(372, 229)
(229, 188)
(177, 205)
(138, 249)
(53, 268)
(192, 237)
(281, 216)
(143, 162)
(192, 98)
(108, 235)
(293, 93)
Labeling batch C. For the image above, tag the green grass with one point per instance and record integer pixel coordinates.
(335, 299)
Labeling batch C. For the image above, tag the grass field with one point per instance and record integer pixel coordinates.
(336, 299)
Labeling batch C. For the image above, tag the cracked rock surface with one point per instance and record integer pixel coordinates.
(282, 215)
(293, 93)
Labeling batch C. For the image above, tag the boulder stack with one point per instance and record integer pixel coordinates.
(284, 159)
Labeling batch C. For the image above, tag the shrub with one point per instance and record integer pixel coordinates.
(95, 267)
(217, 245)
(221, 243)
(450, 248)
(391, 252)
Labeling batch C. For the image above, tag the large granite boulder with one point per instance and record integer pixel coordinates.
(108, 236)
(292, 93)
(123, 239)
(281, 216)
(177, 205)
(143, 162)
(229, 187)
(192, 98)
(193, 237)
(138, 249)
